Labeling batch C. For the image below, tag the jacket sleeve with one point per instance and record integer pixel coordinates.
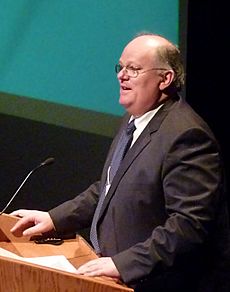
(77, 213)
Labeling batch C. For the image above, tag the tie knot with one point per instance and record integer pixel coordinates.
(130, 128)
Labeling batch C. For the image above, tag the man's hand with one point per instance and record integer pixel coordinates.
(103, 266)
(32, 222)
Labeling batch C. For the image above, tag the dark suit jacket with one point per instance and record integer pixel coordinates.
(165, 209)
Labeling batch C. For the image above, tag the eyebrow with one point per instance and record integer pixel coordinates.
(131, 63)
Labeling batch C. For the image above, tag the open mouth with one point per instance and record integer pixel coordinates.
(125, 88)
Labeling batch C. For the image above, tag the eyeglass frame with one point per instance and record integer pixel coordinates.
(136, 71)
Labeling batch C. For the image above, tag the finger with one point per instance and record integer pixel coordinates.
(90, 271)
(18, 213)
(21, 226)
(34, 230)
(87, 265)
(92, 268)
(93, 273)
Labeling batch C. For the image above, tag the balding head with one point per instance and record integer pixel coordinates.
(152, 40)
(164, 53)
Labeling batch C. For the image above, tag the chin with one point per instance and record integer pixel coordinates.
(129, 109)
(125, 102)
(125, 106)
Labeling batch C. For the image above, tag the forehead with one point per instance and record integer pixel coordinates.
(140, 50)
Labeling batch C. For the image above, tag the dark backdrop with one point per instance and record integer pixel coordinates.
(79, 158)
(207, 64)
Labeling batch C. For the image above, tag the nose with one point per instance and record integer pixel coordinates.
(123, 74)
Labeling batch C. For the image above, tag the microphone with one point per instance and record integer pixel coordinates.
(48, 161)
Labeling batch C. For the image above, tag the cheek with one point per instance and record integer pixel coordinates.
(151, 87)
(145, 90)
(147, 94)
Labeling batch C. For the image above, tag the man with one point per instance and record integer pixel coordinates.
(164, 210)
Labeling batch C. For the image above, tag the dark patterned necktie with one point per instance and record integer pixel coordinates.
(122, 147)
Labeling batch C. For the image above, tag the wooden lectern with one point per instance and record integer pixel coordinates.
(19, 276)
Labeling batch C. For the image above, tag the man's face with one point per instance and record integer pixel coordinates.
(139, 94)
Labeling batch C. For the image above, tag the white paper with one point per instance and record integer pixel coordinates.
(59, 262)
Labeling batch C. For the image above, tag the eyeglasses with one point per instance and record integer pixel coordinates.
(133, 72)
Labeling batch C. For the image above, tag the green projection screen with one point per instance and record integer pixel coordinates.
(64, 52)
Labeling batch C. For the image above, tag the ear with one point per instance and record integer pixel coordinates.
(167, 79)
